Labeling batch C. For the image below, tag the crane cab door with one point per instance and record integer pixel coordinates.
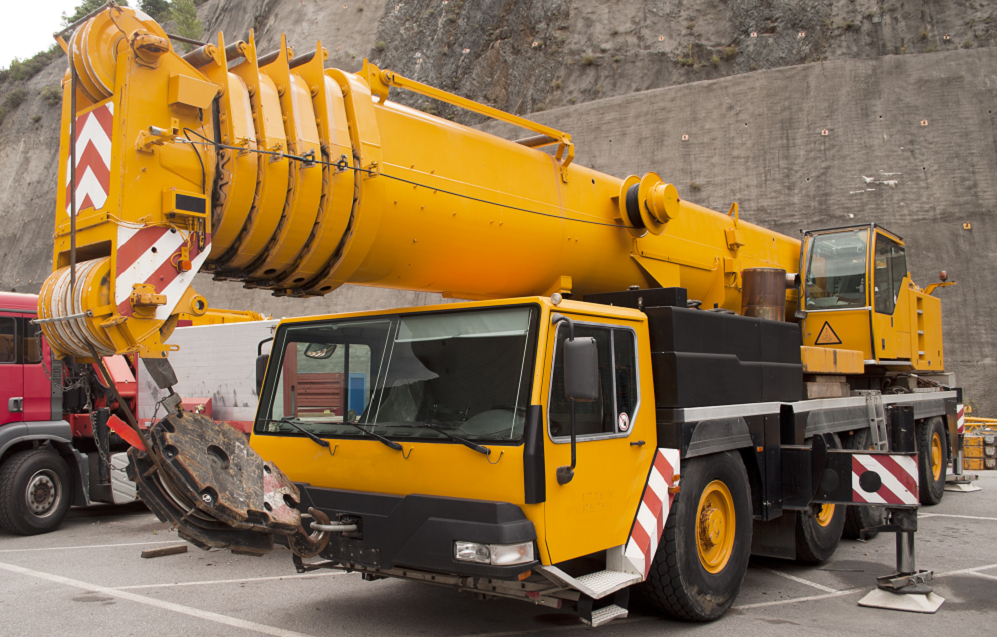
(891, 336)
(11, 375)
(594, 511)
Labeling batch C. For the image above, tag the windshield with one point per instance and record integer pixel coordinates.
(836, 270)
(466, 373)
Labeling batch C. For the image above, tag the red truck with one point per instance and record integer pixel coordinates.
(58, 446)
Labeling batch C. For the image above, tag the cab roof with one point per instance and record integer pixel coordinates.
(17, 302)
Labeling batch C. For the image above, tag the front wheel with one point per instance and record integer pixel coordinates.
(818, 529)
(932, 460)
(703, 554)
(34, 492)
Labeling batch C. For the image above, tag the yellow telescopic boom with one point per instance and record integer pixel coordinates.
(276, 172)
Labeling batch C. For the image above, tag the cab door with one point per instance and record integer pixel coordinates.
(11, 380)
(36, 374)
(615, 440)
(891, 332)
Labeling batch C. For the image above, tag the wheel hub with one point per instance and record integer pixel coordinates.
(711, 526)
(936, 456)
(715, 525)
(42, 493)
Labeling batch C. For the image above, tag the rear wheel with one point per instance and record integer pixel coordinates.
(932, 460)
(704, 549)
(818, 529)
(862, 517)
(34, 492)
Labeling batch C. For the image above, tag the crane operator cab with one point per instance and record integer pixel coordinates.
(858, 295)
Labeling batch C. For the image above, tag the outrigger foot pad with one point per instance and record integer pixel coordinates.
(913, 603)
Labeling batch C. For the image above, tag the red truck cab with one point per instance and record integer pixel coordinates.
(50, 458)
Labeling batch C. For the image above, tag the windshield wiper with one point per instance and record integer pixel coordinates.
(467, 443)
(287, 420)
(391, 443)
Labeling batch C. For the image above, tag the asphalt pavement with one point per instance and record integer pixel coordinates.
(88, 579)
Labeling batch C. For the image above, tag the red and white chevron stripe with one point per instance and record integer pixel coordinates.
(897, 478)
(93, 158)
(653, 511)
(148, 255)
(960, 414)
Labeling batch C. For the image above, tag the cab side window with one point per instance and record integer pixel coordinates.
(8, 340)
(31, 343)
(613, 411)
(890, 269)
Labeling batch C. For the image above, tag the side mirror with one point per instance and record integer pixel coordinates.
(581, 382)
(320, 351)
(261, 371)
(581, 369)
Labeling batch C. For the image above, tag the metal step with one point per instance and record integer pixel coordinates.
(606, 614)
(595, 585)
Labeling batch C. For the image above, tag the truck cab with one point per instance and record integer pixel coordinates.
(858, 295)
(474, 396)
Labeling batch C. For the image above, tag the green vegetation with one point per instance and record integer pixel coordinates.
(381, 45)
(184, 16)
(14, 99)
(715, 60)
(22, 71)
(730, 52)
(588, 59)
(968, 44)
(52, 95)
(556, 85)
(86, 7)
(158, 10)
(691, 26)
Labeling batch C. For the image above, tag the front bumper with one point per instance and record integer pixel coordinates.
(419, 531)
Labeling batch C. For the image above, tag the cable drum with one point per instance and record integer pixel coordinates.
(56, 301)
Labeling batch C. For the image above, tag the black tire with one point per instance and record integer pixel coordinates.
(678, 584)
(862, 517)
(817, 541)
(35, 492)
(931, 490)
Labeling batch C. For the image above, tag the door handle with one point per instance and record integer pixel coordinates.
(15, 405)
(638, 443)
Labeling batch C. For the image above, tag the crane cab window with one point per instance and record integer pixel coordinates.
(429, 377)
(836, 270)
(613, 413)
(889, 271)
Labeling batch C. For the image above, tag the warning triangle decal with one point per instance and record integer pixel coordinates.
(827, 336)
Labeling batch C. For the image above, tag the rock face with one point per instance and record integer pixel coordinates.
(753, 83)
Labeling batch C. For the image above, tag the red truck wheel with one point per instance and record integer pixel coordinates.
(35, 492)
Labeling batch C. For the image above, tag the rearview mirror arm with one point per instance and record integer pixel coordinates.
(565, 474)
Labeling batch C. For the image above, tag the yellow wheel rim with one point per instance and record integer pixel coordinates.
(936, 455)
(824, 514)
(715, 524)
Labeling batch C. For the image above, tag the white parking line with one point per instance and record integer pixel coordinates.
(92, 546)
(993, 577)
(800, 580)
(801, 599)
(964, 571)
(148, 601)
(549, 629)
(229, 581)
(950, 515)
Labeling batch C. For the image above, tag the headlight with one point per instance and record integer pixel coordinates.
(496, 554)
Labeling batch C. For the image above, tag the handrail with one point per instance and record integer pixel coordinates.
(380, 82)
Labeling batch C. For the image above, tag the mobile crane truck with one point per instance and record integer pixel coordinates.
(525, 444)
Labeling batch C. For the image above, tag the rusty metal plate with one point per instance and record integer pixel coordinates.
(213, 467)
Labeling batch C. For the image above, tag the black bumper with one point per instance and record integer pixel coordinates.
(419, 531)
